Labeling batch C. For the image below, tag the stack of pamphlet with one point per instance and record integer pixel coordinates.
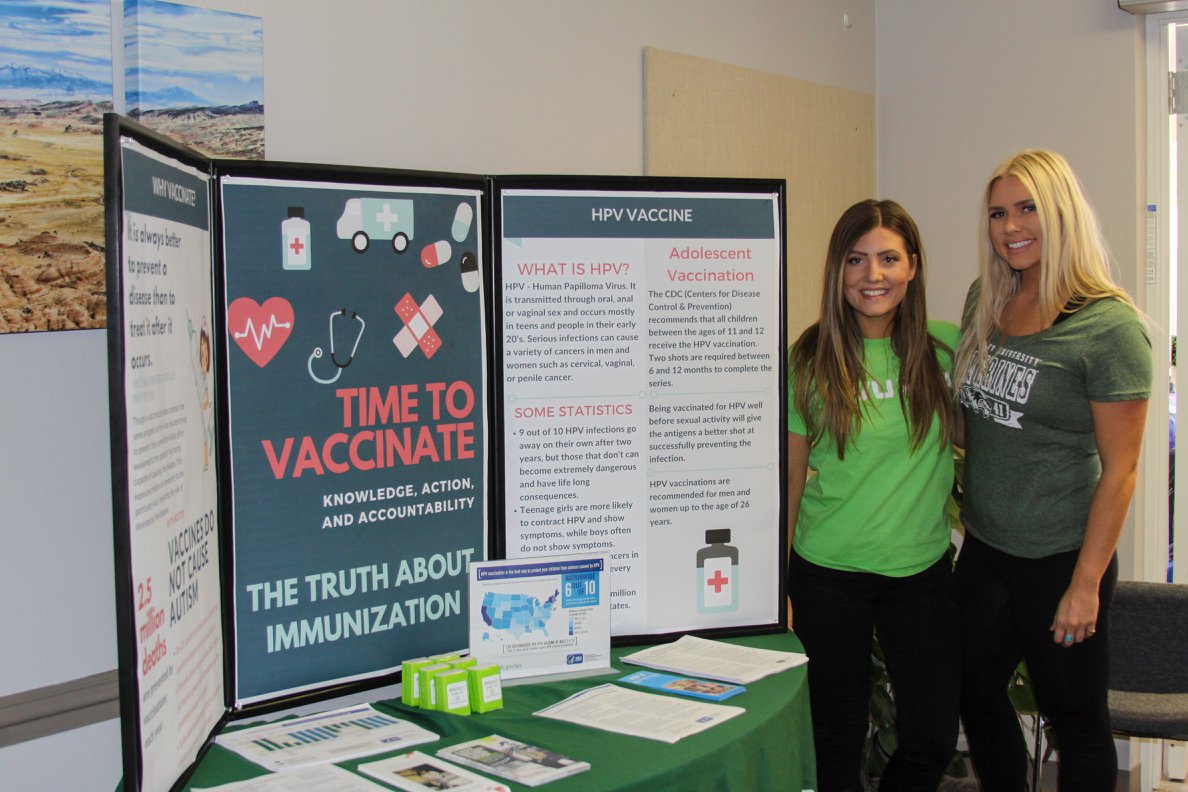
(324, 737)
(684, 686)
(516, 761)
(701, 657)
(415, 772)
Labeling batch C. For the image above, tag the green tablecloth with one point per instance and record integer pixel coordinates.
(768, 748)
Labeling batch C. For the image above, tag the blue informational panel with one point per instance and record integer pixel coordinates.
(356, 403)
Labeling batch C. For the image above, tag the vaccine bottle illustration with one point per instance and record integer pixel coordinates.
(295, 231)
(717, 573)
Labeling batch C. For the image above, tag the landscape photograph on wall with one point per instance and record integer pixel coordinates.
(192, 74)
(55, 85)
(196, 75)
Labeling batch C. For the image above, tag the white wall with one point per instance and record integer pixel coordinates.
(963, 84)
(516, 86)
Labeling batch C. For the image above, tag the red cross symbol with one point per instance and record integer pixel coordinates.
(297, 247)
(717, 581)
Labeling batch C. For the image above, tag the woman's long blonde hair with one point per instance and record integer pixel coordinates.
(1074, 258)
(827, 364)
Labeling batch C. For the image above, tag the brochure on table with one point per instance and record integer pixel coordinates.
(541, 616)
(298, 365)
(641, 342)
(417, 772)
(332, 736)
(530, 765)
(727, 662)
(314, 778)
(648, 715)
(683, 685)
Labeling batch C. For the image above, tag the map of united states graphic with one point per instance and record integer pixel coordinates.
(518, 613)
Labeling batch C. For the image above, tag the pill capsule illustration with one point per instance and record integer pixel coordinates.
(471, 279)
(436, 254)
(463, 216)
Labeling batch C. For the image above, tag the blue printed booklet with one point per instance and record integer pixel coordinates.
(685, 686)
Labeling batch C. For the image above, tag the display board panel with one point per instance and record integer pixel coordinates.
(301, 457)
(298, 352)
(641, 341)
(164, 475)
(356, 412)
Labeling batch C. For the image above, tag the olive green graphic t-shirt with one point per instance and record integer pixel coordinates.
(1031, 463)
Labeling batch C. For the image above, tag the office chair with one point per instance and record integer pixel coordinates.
(1148, 674)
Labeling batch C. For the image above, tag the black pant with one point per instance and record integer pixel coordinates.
(833, 614)
(1007, 607)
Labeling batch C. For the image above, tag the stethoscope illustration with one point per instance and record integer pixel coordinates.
(317, 353)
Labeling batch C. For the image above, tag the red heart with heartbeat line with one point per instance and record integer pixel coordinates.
(260, 330)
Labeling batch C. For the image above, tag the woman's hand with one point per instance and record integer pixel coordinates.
(1076, 616)
(1118, 429)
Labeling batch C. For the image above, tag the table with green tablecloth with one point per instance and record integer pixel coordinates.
(770, 747)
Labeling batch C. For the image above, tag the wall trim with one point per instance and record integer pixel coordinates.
(45, 711)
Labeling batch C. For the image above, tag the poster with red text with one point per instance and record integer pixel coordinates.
(355, 368)
(163, 318)
(642, 341)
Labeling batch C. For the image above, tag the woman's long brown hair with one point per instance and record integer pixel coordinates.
(829, 375)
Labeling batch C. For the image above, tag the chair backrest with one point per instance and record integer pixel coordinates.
(1149, 637)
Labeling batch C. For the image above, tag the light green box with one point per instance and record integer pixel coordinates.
(410, 682)
(464, 662)
(426, 698)
(452, 691)
(486, 688)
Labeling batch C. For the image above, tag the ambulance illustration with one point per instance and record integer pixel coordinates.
(364, 219)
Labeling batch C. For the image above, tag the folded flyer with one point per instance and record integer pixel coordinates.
(648, 715)
(684, 686)
(324, 737)
(516, 761)
(415, 772)
(701, 657)
(311, 778)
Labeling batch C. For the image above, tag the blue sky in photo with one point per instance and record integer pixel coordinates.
(69, 36)
(173, 49)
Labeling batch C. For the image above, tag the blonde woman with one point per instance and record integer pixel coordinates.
(1053, 373)
(871, 413)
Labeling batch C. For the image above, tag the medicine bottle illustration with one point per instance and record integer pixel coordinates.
(295, 231)
(717, 573)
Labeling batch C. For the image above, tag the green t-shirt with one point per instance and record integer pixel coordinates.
(882, 508)
(1031, 463)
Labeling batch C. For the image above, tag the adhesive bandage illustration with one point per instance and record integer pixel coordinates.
(418, 325)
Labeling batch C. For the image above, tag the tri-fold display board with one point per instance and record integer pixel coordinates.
(332, 388)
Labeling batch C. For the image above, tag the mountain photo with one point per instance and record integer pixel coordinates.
(55, 86)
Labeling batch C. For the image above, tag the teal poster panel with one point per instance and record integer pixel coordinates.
(356, 412)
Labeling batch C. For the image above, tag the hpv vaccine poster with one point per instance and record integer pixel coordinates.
(356, 404)
(169, 365)
(642, 345)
